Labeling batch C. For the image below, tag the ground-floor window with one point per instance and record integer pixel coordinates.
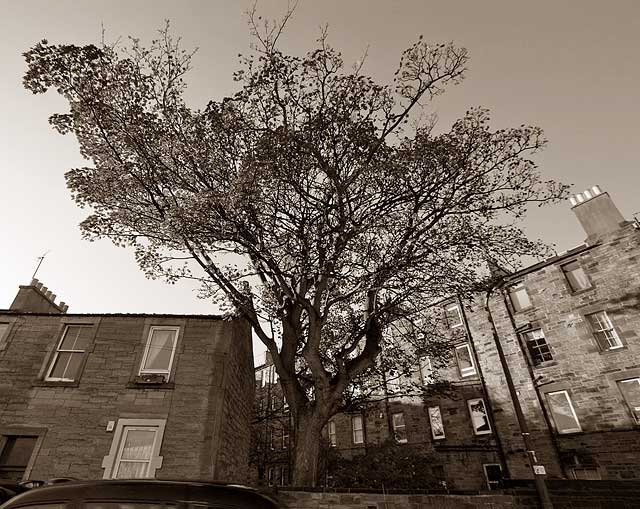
(135, 449)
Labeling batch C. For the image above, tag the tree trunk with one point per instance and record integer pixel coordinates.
(307, 448)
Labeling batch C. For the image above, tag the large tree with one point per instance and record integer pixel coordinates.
(306, 201)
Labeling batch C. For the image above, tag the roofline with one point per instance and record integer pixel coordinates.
(127, 315)
(550, 261)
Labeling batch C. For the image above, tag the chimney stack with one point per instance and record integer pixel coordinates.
(596, 212)
(37, 298)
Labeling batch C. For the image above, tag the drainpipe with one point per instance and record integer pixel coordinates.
(485, 393)
(545, 414)
(538, 470)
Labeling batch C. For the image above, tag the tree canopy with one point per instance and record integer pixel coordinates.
(306, 201)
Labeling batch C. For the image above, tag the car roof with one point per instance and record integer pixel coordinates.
(146, 490)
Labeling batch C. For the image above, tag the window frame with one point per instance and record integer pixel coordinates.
(476, 430)
(566, 273)
(449, 307)
(431, 418)
(285, 437)
(331, 432)
(24, 431)
(425, 360)
(55, 353)
(567, 431)
(396, 427)
(354, 430)
(634, 411)
(612, 328)
(112, 460)
(492, 485)
(141, 370)
(4, 335)
(512, 289)
(469, 371)
(536, 360)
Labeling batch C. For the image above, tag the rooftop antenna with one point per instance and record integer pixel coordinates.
(41, 259)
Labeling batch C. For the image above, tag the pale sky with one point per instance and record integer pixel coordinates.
(570, 67)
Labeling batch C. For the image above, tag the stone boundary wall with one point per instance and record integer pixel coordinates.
(520, 494)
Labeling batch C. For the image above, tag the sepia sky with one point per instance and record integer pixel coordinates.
(570, 67)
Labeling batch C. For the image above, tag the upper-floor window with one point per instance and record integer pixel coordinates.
(479, 416)
(285, 438)
(69, 355)
(576, 276)
(332, 433)
(519, 297)
(268, 375)
(159, 351)
(357, 429)
(426, 370)
(631, 391)
(537, 345)
(564, 416)
(453, 316)
(4, 327)
(437, 426)
(465, 360)
(604, 331)
(399, 427)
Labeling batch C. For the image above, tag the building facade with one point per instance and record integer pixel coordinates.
(94, 396)
(567, 330)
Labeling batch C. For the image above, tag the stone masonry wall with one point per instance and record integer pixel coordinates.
(609, 440)
(74, 417)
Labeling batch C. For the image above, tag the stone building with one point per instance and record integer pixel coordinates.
(95, 396)
(568, 328)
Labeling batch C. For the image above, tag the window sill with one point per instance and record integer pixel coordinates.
(523, 310)
(545, 364)
(136, 384)
(580, 292)
(611, 351)
(55, 383)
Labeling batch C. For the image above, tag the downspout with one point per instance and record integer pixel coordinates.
(538, 470)
(545, 414)
(485, 393)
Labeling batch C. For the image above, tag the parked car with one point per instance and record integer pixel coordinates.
(141, 494)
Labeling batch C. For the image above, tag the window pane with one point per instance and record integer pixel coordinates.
(131, 470)
(138, 444)
(76, 337)
(454, 319)
(465, 362)
(519, 297)
(17, 451)
(576, 276)
(603, 330)
(66, 366)
(538, 347)
(426, 372)
(631, 391)
(160, 350)
(399, 427)
(479, 417)
(562, 411)
(437, 426)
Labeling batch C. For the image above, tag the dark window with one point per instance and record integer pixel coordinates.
(493, 474)
(576, 276)
(15, 456)
(538, 348)
(465, 360)
(399, 428)
(631, 391)
(519, 297)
